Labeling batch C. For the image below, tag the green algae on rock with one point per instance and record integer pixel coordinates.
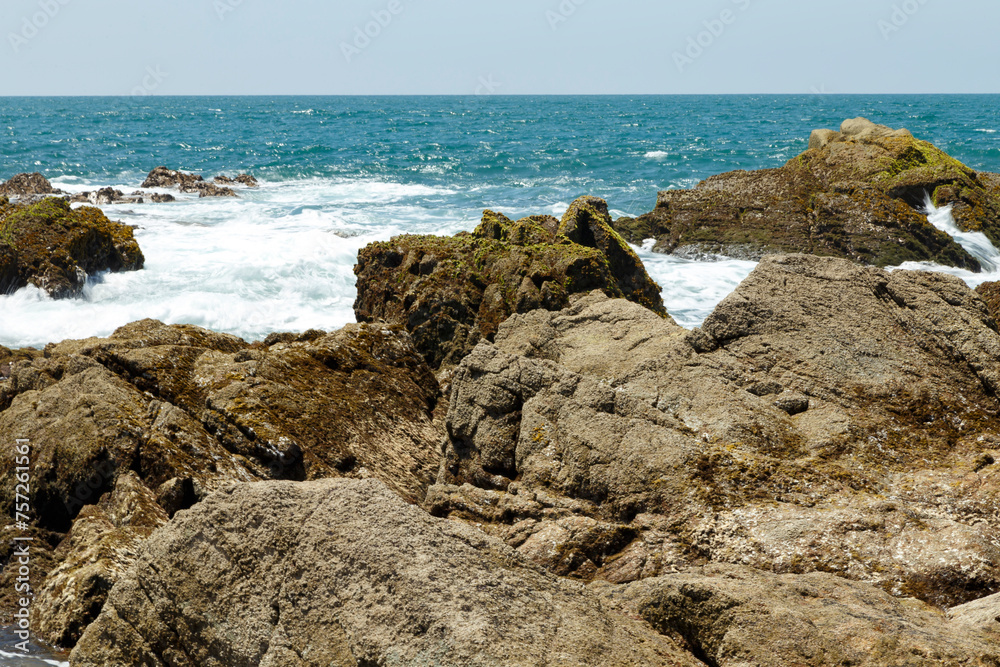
(857, 194)
(51, 246)
(452, 292)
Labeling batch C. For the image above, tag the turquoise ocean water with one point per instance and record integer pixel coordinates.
(340, 172)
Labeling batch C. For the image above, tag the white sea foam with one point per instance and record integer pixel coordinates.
(657, 155)
(692, 289)
(975, 243)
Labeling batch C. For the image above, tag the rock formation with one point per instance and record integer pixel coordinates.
(27, 185)
(345, 573)
(161, 177)
(50, 246)
(827, 417)
(187, 410)
(730, 616)
(451, 292)
(858, 194)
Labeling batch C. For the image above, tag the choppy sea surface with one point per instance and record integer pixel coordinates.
(339, 172)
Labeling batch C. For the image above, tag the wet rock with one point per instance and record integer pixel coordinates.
(107, 196)
(27, 185)
(161, 177)
(161, 198)
(345, 573)
(606, 411)
(209, 190)
(243, 179)
(452, 292)
(55, 248)
(858, 194)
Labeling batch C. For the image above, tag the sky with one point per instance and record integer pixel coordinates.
(466, 47)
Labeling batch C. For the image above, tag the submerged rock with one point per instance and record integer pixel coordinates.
(452, 292)
(858, 194)
(344, 573)
(244, 179)
(27, 185)
(209, 190)
(55, 248)
(827, 417)
(187, 410)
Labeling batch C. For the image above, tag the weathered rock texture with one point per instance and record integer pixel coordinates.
(27, 185)
(452, 292)
(48, 245)
(187, 410)
(732, 616)
(344, 573)
(826, 417)
(161, 177)
(106, 538)
(858, 194)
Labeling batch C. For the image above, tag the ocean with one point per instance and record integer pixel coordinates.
(339, 172)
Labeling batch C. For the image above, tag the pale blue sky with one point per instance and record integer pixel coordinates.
(117, 47)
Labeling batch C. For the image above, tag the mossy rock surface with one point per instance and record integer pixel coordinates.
(452, 292)
(855, 196)
(51, 246)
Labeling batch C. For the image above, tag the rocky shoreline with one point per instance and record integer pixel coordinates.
(517, 457)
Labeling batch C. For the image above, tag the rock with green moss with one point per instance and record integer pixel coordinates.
(186, 410)
(827, 417)
(858, 194)
(452, 292)
(51, 246)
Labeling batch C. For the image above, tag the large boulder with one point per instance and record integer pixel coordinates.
(827, 417)
(732, 616)
(51, 246)
(342, 572)
(187, 410)
(27, 185)
(452, 292)
(858, 194)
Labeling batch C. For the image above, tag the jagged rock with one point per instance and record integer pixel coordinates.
(48, 245)
(161, 177)
(244, 179)
(26, 185)
(158, 198)
(826, 417)
(104, 541)
(209, 190)
(858, 194)
(731, 616)
(345, 573)
(179, 401)
(451, 292)
(188, 410)
(107, 196)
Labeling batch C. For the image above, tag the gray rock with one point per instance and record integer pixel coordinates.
(345, 573)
